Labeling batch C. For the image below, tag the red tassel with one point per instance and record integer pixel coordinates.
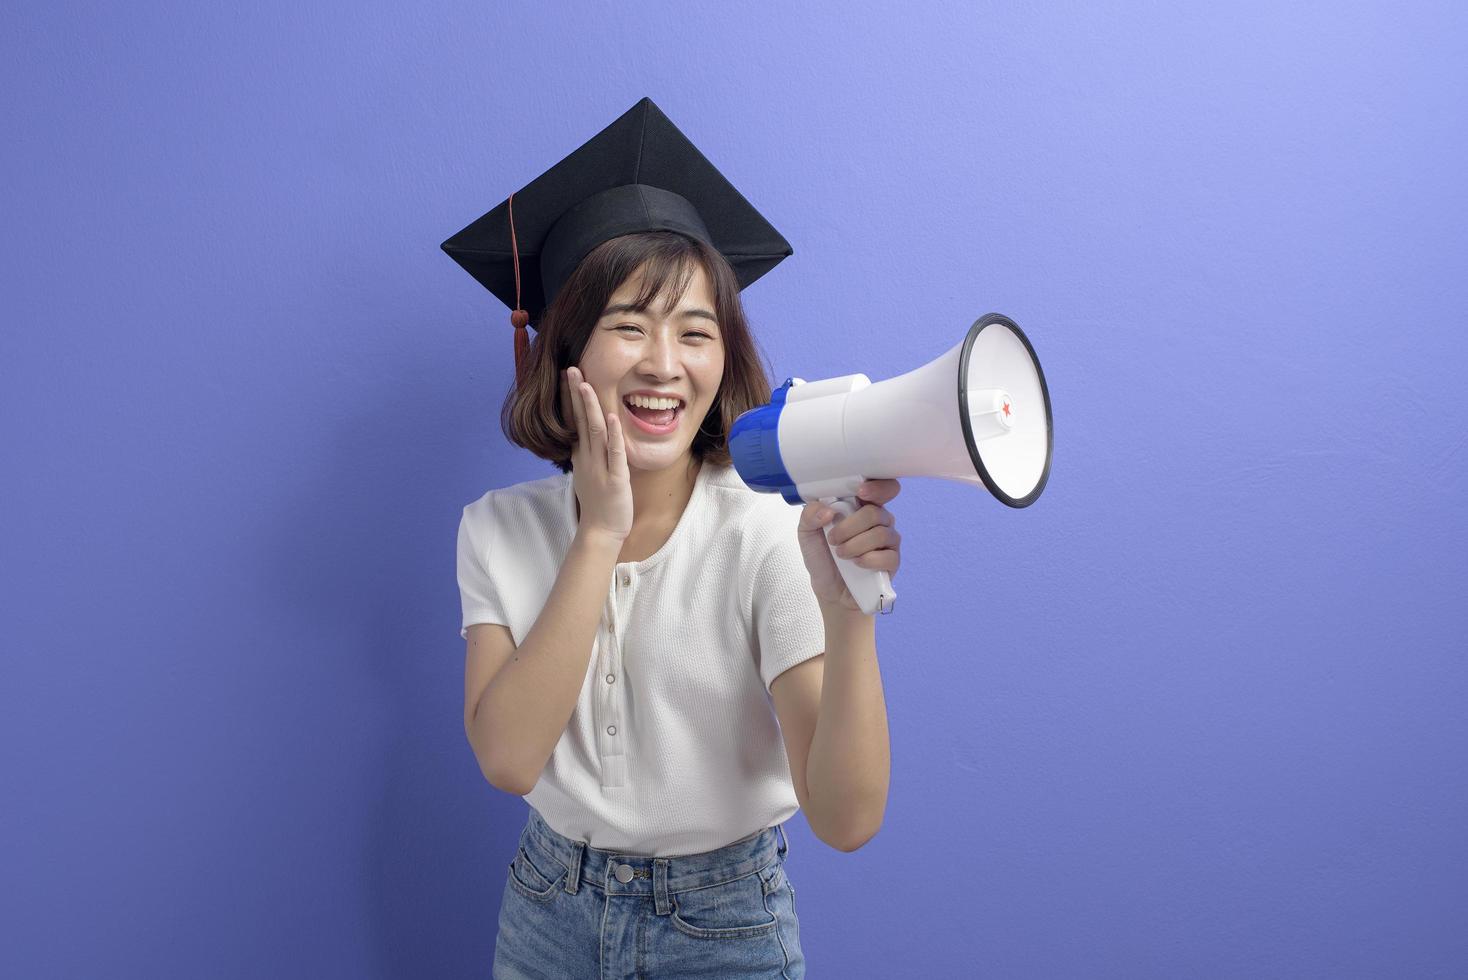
(519, 319)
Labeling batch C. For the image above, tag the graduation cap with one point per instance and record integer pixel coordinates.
(638, 174)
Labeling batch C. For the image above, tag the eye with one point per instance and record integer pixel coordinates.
(691, 333)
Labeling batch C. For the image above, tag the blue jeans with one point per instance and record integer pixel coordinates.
(571, 911)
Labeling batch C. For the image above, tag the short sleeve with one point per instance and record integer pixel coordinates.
(787, 618)
(478, 597)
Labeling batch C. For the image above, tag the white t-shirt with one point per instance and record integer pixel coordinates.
(673, 747)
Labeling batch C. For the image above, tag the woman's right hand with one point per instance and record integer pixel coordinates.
(598, 460)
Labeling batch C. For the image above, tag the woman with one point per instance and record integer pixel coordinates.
(648, 638)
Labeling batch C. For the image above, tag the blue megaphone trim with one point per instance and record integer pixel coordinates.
(754, 445)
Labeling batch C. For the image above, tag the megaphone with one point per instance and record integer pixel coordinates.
(979, 414)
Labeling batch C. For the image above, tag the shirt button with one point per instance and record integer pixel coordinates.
(610, 678)
(626, 579)
(611, 729)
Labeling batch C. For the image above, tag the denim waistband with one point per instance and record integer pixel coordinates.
(654, 876)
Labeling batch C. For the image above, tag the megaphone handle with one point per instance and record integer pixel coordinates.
(870, 587)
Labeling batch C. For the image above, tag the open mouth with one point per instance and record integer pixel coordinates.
(656, 421)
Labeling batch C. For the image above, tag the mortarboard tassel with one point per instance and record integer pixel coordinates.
(518, 317)
(522, 340)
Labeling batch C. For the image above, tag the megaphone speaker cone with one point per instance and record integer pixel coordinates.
(1004, 408)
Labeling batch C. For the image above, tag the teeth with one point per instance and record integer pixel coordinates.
(642, 401)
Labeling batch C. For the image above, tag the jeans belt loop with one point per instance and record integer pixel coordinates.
(573, 874)
(661, 903)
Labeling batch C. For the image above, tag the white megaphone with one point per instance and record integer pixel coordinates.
(979, 414)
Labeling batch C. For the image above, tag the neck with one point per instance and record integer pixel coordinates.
(659, 496)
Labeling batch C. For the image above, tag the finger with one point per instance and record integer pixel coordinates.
(616, 449)
(884, 560)
(568, 411)
(869, 516)
(875, 539)
(816, 515)
(878, 491)
(578, 409)
(595, 421)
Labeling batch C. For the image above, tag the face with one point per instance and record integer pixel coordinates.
(680, 353)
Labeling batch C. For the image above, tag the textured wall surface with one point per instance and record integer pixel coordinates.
(1197, 712)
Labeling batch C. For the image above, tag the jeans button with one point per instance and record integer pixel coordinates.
(624, 873)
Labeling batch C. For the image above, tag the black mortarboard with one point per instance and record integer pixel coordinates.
(638, 174)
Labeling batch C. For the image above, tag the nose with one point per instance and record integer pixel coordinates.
(660, 357)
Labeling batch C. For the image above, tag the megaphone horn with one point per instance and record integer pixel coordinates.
(979, 414)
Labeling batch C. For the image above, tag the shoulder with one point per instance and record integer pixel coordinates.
(543, 495)
(757, 521)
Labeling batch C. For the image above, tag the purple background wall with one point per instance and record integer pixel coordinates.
(1198, 712)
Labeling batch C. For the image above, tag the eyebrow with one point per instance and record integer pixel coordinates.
(629, 308)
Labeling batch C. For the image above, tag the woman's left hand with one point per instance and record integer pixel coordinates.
(868, 536)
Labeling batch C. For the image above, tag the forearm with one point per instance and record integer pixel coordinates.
(523, 712)
(849, 765)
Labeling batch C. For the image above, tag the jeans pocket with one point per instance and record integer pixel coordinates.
(729, 910)
(530, 881)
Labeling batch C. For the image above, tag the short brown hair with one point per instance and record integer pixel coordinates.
(531, 415)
